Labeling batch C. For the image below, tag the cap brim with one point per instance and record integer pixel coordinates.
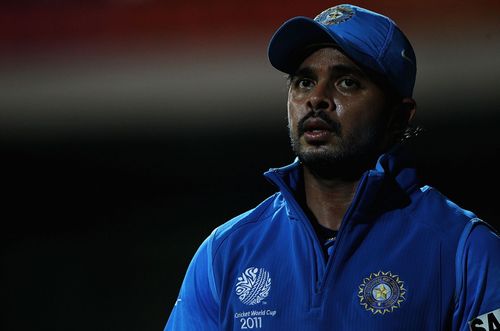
(288, 45)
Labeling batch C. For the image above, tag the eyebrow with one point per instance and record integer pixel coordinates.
(338, 69)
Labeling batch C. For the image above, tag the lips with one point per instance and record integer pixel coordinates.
(316, 131)
(316, 124)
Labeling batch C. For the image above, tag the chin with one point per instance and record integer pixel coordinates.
(328, 162)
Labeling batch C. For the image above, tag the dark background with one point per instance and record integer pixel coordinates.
(130, 130)
(97, 233)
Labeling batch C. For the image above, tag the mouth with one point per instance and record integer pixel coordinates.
(316, 131)
(316, 124)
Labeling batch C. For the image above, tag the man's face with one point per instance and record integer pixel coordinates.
(337, 115)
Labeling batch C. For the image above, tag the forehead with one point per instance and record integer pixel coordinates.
(328, 58)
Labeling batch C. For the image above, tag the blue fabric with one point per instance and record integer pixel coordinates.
(405, 258)
(368, 38)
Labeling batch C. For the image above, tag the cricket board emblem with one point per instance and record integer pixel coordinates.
(335, 15)
(253, 285)
(381, 292)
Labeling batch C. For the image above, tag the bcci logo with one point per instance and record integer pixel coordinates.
(253, 285)
(381, 292)
(335, 15)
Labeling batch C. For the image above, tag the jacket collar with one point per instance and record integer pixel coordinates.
(386, 186)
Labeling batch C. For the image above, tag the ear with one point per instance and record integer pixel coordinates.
(408, 109)
(402, 115)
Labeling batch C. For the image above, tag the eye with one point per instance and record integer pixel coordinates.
(304, 83)
(348, 83)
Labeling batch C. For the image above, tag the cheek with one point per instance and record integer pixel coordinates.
(292, 114)
(356, 123)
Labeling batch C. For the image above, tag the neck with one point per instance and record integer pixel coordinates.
(328, 199)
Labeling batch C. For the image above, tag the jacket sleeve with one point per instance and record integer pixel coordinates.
(196, 308)
(478, 279)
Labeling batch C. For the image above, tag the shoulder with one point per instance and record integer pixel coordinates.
(251, 220)
(432, 208)
(479, 242)
(477, 272)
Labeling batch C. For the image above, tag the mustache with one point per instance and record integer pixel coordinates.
(333, 126)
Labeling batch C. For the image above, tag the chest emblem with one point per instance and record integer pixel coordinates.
(381, 292)
(253, 285)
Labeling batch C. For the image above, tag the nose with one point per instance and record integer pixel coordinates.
(321, 99)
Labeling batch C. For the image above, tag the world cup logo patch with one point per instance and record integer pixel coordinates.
(253, 285)
(381, 292)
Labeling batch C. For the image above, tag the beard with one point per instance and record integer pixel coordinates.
(348, 158)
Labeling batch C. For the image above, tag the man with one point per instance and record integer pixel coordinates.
(351, 241)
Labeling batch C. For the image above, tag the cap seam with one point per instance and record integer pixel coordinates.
(388, 37)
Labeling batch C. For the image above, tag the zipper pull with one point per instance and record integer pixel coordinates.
(329, 245)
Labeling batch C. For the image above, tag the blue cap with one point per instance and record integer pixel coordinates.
(370, 39)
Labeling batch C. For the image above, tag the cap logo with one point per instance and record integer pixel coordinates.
(335, 15)
(404, 56)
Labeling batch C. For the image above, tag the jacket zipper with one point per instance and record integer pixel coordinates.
(343, 225)
(321, 281)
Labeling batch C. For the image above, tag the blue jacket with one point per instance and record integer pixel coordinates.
(405, 258)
